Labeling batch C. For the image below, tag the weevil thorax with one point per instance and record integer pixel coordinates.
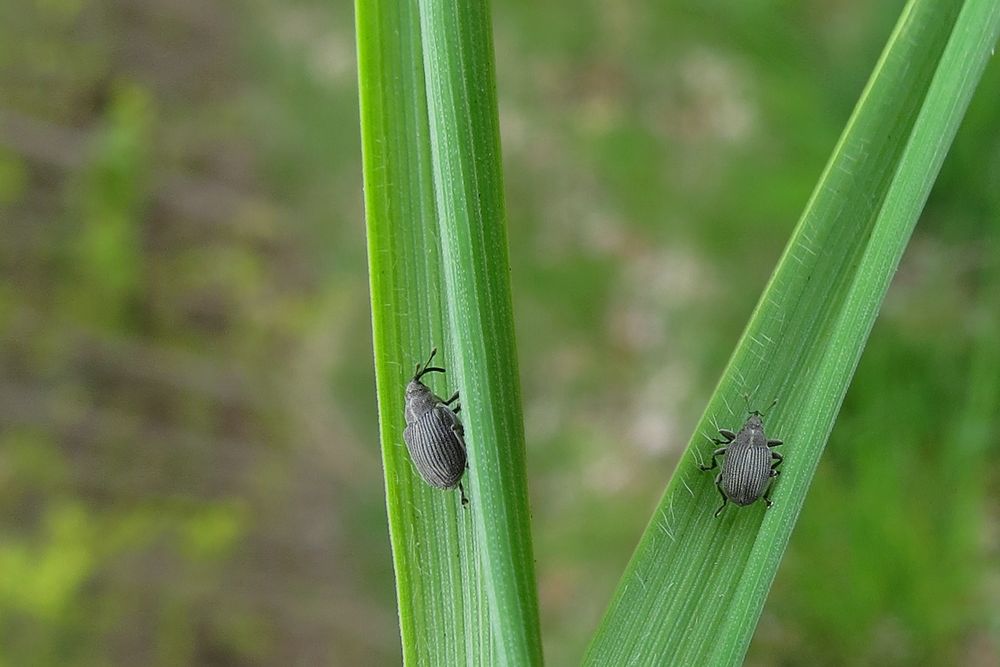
(419, 400)
(753, 431)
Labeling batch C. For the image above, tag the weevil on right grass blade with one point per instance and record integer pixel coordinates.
(749, 464)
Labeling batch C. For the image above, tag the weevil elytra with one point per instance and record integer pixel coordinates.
(749, 463)
(433, 434)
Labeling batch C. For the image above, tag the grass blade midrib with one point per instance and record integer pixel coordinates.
(465, 155)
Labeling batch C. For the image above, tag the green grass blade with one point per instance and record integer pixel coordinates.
(465, 141)
(464, 576)
(443, 610)
(695, 586)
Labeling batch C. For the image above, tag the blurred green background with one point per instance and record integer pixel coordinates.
(189, 465)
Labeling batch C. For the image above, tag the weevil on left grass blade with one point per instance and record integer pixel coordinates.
(749, 464)
(434, 436)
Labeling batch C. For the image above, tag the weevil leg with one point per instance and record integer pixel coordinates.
(775, 443)
(454, 397)
(727, 434)
(715, 464)
(777, 458)
(770, 487)
(465, 501)
(718, 484)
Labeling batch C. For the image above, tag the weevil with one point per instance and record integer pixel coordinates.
(749, 464)
(433, 434)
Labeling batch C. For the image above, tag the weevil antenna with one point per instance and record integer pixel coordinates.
(427, 368)
(762, 415)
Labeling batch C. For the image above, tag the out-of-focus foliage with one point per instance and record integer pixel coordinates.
(188, 446)
(182, 295)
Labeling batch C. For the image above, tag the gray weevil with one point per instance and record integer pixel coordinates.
(749, 464)
(433, 434)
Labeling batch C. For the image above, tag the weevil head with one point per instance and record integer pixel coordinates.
(753, 431)
(419, 398)
(415, 389)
